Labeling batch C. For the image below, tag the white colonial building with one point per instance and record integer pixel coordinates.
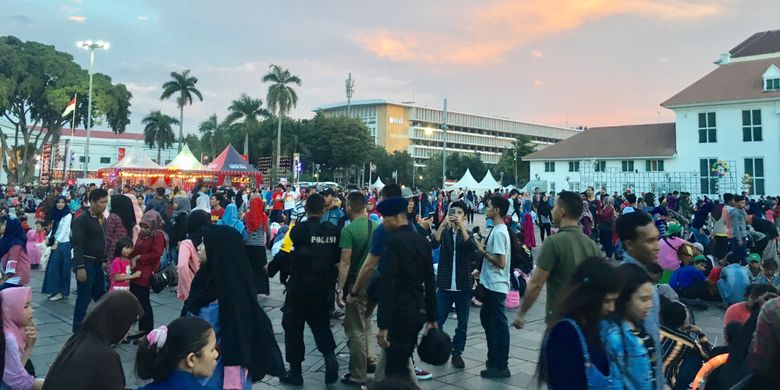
(726, 136)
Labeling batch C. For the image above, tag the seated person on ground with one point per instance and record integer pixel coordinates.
(734, 279)
(769, 273)
(685, 347)
(740, 312)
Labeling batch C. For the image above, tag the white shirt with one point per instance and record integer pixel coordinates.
(454, 286)
(492, 277)
(289, 199)
(63, 229)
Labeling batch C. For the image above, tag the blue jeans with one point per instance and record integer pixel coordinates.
(90, 290)
(739, 251)
(493, 318)
(461, 299)
(58, 271)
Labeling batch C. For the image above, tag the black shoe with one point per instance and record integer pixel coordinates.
(457, 362)
(291, 378)
(331, 369)
(495, 373)
(347, 380)
(370, 368)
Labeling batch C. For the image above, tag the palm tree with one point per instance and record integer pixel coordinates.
(281, 98)
(158, 132)
(184, 85)
(213, 132)
(249, 111)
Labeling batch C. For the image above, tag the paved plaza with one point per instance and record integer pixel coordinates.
(54, 319)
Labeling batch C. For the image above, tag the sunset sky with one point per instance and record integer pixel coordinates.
(576, 62)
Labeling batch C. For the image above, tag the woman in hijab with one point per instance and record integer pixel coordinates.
(529, 235)
(120, 222)
(259, 230)
(181, 209)
(146, 258)
(188, 261)
(13, 254)
(230, 218)
(87, 361)
(56, 282)
(20, 335)
(224, 294)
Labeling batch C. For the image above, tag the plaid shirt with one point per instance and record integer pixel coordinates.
(114, 231)
(764, 356)
(463, 253)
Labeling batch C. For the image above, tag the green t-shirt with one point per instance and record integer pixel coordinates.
(561, 253)
(356, 236)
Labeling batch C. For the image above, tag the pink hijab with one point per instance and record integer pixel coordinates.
(14, 300)
(529, 237)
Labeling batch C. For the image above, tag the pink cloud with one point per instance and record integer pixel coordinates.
(488, 31)
(538, 83)
(77, 19)
(537, 54)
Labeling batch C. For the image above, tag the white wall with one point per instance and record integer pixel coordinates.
(730, 146)
(614, 179)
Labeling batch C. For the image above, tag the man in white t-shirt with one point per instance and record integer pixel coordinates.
(289, 201)
(494, 276)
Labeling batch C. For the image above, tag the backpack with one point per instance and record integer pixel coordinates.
(521, 256)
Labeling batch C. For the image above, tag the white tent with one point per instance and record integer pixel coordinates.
(135, 159)
(185, 161)
(378, 184)
(467, 182)
(489, 182)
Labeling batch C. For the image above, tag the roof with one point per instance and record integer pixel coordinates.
(630, 141)
(135, 159)
(185, 161)
(730, 82)
(764, 42)
(103, 134)
(229, 162)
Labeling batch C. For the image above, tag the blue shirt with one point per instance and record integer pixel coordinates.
(378, 241)
(734, 280)
(685, 276)
(178, 380)
(762, 279)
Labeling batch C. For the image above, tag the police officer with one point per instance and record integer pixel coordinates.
(313, 272)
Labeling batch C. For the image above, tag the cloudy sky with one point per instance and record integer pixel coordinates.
(559, 62)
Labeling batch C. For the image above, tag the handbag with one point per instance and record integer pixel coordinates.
(167, 276)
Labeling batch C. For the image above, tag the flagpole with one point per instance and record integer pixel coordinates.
(73, 121)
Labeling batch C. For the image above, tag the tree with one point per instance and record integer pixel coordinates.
(249, 111)
(340, 142)
(36, 83)
(516, 170)
(281, 99)
(183, 84)
(214, 135)
(193, 142)
(158, 132)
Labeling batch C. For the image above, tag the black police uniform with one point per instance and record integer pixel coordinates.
(313, 273)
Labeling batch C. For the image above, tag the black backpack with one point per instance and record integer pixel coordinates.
(522, 258)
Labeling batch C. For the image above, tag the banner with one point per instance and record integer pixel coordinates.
(121, 154)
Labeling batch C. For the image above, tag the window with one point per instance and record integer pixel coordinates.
(105, 160)
(574, 166)
(772, 85)
(751, 126)
(709, 179)
(654, 165)
(755, 168)
(549, 166)
(707, 128)
(81, 159)
(627, 166)
(600, 166)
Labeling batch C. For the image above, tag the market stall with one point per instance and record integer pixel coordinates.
(230, 168)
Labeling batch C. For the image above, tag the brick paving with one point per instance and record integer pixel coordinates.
(54, 328)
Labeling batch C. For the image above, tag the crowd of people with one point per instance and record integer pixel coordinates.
(624, 275)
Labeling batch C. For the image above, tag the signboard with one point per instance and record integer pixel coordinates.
(120, 154)
(45, 164)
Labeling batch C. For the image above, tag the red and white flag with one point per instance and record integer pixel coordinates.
(69, 108)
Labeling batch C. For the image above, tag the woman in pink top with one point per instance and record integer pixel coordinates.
(13, 254)
(189, 261)
(20, 336)
(667, 256)
(35, 237)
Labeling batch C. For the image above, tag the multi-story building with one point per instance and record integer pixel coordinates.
(105, 149)
(418, 129)
(725, 138)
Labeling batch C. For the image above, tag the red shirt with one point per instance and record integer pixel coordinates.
(715, 275)
(278, 200)
(150, 248)
(738, 312)
(216, 215)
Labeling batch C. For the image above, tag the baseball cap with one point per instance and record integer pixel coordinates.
(327, 191)
(754, 257)
(392, 206)
(699, 259)
(673, 228)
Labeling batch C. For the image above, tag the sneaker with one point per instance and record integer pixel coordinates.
(495, 373)
(55, 297)
(457, 362)
(422, 375)
(348, 380)
(291, 378)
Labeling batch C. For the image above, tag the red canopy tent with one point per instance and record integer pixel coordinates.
(230, 163)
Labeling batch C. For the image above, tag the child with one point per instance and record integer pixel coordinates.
(754, 266)
(689, 281)
(121, 265)
(34, 239)
(769, 273)
(734, 280)
(685, 347)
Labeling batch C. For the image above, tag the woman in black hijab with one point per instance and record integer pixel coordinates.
(244, 332)
(87, 361)
(120, 222)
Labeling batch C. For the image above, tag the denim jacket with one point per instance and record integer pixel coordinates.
(629, 365)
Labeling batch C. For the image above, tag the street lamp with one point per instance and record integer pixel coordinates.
(91, 46)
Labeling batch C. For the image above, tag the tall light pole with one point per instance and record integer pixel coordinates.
(444, 150)
(91, 46)
(350, 88)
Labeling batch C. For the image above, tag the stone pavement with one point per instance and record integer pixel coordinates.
(54, 328)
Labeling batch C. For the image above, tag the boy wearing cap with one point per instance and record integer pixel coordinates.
(689, 281)
(754, 266)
